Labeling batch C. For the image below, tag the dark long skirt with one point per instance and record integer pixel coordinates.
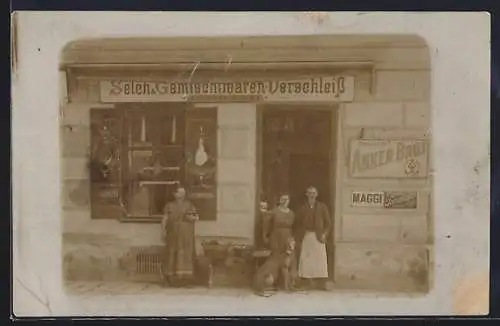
(279, 240)
(179, 263)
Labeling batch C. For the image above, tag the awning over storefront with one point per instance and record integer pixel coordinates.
(245, 52)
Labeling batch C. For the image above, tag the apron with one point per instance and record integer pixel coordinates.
(313, 261)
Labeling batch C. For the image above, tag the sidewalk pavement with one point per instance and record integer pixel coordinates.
(88, 288)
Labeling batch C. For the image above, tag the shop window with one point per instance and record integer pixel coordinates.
(156, 147)
(105, 167)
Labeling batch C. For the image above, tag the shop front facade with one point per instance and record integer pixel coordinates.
(237, 123)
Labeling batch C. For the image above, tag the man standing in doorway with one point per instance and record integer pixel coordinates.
(312, 227)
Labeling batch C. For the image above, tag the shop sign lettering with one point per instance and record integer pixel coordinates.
(388, 159)
(332, 88)
(385, 199)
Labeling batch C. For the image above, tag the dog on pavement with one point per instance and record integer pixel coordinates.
(278, 268)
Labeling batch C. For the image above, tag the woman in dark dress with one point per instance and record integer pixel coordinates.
(280, 222)
(278, 236)
(179, 238)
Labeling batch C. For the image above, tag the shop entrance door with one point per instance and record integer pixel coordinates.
(297, 150)
(305, 171)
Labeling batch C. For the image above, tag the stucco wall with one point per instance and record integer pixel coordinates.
(235, 174)
(373, 248)
(381, 248)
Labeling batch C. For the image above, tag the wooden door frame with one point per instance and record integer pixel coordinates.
(334, 109)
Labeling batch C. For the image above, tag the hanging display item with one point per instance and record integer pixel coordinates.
(201, 160)
(104, 164)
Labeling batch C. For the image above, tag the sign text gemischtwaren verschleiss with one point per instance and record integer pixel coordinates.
(339, 88)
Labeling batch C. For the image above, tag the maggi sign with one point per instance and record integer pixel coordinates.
(385, 199)
(388, 159)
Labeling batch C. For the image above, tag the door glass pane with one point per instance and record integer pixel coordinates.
(171, 161)
(154, 158)
(158, 199)
(138, 192)
(140, 162)
(295, 154)
(171, 129)
(142, 129)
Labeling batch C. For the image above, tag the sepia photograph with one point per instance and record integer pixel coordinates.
(262, 167)
(204, 174)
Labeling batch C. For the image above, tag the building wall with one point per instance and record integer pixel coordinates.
(235, 174)
(380, 248)
(373, 248)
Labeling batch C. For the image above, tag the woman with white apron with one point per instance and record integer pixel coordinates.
(312, 226)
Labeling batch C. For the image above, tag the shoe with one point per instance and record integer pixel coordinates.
(265, 294)
(298, 289)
